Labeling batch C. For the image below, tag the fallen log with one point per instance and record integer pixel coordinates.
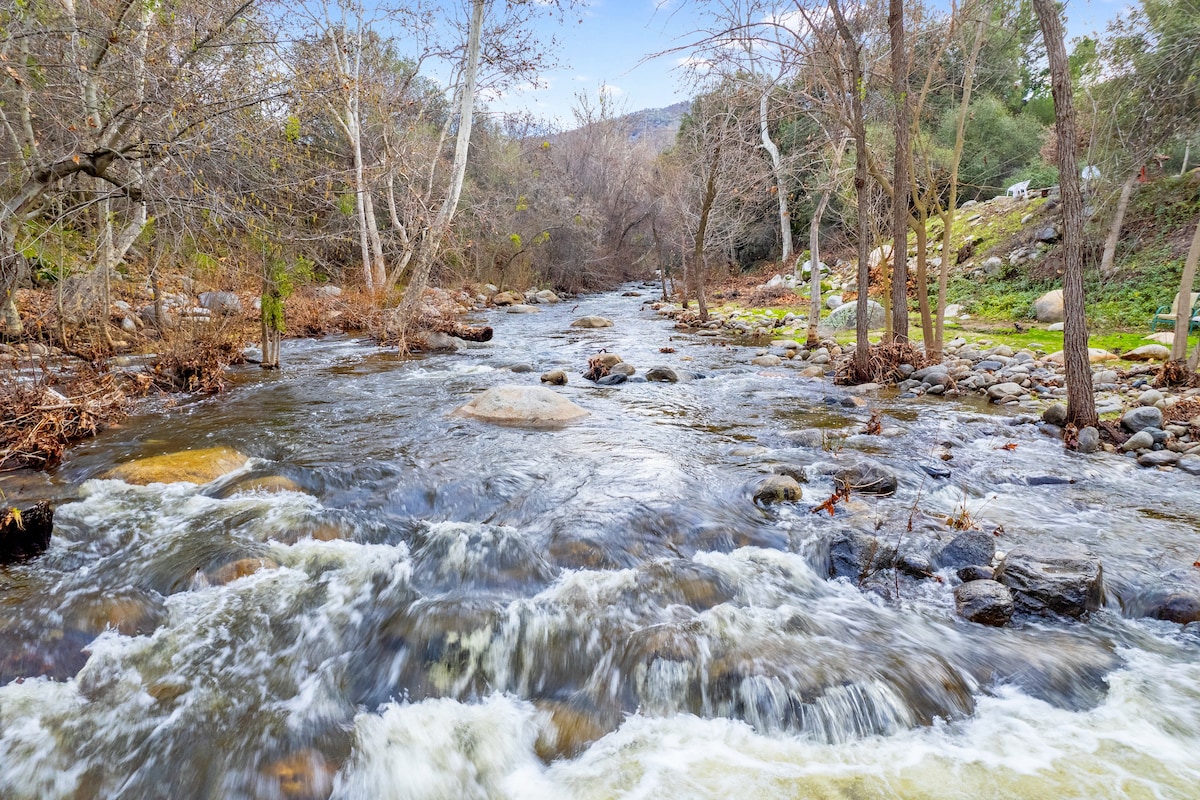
(25, 534)
(469, 333)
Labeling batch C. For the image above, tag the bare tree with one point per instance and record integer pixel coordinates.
(1081, 405)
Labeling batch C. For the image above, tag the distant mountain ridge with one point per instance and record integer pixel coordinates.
(657, 125)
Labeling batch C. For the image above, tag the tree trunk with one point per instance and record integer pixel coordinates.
(12, 271)
(360, 193)
(458, 170)
(785, 217)
(1081, 404)
(862, 351)
(900, 179)
(1114, 230)
(814, 245)
(1184, 310)
(698, 270)
(922, 235)
(1187, 152)
(934, 349)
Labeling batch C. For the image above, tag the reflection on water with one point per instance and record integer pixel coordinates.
(431, 607)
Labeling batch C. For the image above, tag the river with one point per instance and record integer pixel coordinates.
(452, 609)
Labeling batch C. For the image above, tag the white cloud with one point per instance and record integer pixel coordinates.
(582, 79)
(611, 91)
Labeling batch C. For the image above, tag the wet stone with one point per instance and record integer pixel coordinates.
(1064, 579)
(662, 375)
(969, 547)
(985, 602)
(975, 572)
(867, 477)
(777, 489)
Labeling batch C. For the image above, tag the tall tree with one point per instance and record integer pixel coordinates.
(1081, 404)
(900, 172)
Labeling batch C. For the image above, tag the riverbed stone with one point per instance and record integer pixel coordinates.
(186, 466)
(522, 405)
(777, 489)
(1176, 607)
(303, 775)
(1189, 463)
(975, 572)
(998, 391)
(612, 379)
(523, 308)
(1138, 419)
(1142, 440)
(1088, 440)
(967, 548)
(1158, 458)
(662, 375)
(592, 322)
(546, 296)
(855, 555)
(1150, 397)
(766, 361)
(506, 298)
(1064, 579)
(243, 567)
(1055, 414)
(843, 317)
(555, 377)
(565, 730)
(868, 477)
(986, 602)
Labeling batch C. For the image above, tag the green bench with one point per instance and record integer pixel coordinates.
(1165, 315)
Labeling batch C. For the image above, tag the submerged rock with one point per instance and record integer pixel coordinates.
(187, 466)
(1065, 579)
(522, 405)
(778, 489)
(555, 377)
(868, 477)
(662, 375)
(855, 555)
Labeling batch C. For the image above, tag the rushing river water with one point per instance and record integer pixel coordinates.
(451, 609)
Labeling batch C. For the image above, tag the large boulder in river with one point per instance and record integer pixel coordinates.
(187, 466)
(592, 322)
(506, 298)
(857, 555)
(1053, 579)
(522, 405)
(1049, 307)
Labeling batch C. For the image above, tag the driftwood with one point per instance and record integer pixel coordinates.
(25, 534)
(469, 333)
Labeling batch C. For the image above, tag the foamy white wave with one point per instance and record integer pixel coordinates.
(443, 749)
(32, 765)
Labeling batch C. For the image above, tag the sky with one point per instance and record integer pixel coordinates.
(605, 43)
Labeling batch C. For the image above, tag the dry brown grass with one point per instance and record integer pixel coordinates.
(39, 420)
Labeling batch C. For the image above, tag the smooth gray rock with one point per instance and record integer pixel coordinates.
(969, 547)
(1061, 579)
(522, 405)
(1137, 419)
(1088, 440)
(1158, 458)
(1142, 440)
(975, 572)
(592, 322)
(1189, 463)
(985, 602)
(1055, 414)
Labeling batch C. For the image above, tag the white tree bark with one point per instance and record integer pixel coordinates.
(458, 171)
(1114, 230)
(785, 218)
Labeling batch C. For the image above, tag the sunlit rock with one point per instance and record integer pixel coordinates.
(777, 489)
(241, 568)
(522, 405)
(304, 775)
(565, 730)
(592, 322)
(187, 466)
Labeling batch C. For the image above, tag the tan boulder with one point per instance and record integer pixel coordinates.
(522, 405)
(592, 322)
(1148, 352)
(186, 466)
(241, 568)
(566, 730)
